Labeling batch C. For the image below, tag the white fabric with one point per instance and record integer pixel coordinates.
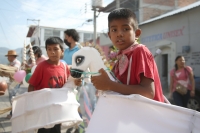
(116, 113)
(137, 114)
(44, 108)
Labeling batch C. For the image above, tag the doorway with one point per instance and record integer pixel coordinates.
(164, 72)
(165, 62)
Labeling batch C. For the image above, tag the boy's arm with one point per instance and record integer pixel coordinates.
(145, 88)
(30, 88)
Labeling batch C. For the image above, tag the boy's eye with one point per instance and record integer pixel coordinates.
(113, 30)
(125, 29)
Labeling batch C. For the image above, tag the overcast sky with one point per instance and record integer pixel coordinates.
(54, 13)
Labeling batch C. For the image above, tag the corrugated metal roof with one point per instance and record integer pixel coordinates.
(196, 4)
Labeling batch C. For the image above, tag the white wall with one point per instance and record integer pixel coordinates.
(184, 29)
(105, 40)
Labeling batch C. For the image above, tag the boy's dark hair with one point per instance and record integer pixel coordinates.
(54, 40)
(73, 33)
(123, 13)
(36, 50)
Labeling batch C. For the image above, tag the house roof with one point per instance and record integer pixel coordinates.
(32, 28)
(30, 31)
(191, 6)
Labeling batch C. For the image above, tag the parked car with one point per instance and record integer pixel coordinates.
(194, 102)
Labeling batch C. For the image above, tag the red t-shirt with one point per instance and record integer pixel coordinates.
(142, 62)
(49, 76)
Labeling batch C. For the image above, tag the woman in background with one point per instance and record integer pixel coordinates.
(182, 75)
(39, 57)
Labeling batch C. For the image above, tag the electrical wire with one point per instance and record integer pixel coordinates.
(10, 26)
(52, 13)
(5, 35)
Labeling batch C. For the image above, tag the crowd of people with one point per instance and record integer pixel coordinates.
(135, 67)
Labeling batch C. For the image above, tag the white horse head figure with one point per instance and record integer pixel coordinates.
(87, 57)
(132, 113)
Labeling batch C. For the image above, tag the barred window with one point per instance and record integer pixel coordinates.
(49, 33)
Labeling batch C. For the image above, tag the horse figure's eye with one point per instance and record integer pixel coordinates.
(79, 60)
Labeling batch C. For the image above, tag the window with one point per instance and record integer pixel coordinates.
(49, 33)
(87, 36)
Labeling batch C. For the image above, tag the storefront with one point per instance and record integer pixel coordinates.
(175, 33)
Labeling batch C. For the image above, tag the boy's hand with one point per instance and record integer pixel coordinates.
(102, 81)
(77, 82)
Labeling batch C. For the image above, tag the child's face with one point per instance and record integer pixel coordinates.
(54, 52)
(122, 33)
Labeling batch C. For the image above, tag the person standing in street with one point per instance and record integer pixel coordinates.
(71, 40)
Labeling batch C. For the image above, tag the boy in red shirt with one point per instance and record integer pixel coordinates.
(135, 68)
(50, 73)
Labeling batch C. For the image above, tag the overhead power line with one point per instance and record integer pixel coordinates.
(10, 25)
(5, 35)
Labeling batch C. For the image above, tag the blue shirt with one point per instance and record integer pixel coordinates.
(69, 53)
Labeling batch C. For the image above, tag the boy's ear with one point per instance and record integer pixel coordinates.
(138, 33)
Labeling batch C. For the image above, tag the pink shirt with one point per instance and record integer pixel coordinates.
(39, 60)
(182, 77)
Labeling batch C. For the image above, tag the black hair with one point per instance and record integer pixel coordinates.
(73, 33)
(176, 67)
(36, 50)
(123, 13)
(54, 40)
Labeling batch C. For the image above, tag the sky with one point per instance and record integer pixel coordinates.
(16, 16)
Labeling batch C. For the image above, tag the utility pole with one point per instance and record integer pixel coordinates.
(95, 26)
(96, 5)
(117, 4)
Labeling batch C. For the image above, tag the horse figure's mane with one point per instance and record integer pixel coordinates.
(99, 49)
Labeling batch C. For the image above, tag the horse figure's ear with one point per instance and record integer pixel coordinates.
(99, 49)
(82, 44)
(87, 44)
(92, 45)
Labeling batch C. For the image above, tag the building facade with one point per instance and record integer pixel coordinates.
(39, 34)
(175, 33)
(148, 9)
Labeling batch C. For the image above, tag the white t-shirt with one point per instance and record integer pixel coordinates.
(16, 63)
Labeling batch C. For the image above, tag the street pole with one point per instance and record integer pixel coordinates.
(117, 4)
(95, 26)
